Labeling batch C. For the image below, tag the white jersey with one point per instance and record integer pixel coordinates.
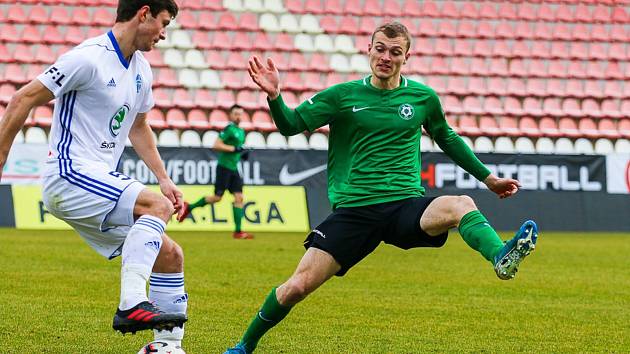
(99, 95)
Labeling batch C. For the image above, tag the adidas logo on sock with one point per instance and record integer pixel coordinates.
(111, 83)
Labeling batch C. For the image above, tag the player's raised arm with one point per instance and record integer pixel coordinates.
(268, 79)
(142, 141)
(28, 97)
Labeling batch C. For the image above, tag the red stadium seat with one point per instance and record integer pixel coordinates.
(594, 70)
(43, 116)
(353, 7)
(597, 51)
(599, 33)
(578, 51)
(492, 105)
(583, 13)
(313, 7)
(318, 62)
(512, 107)
(283, 42)
(349, 25)
(208, 21)
(610, 108)
(14, 74)
(231, 80)
(295, 6)
(102, 17)
(446, 28)
(227, 22)
(529, 127)
(617, 51)
(236, 61)
(580, 33)
(624, 128)
(509, 126)
(571, 107)
(593, 89)
(556, 87)
(74, 35)
(559, 50)
(590, 108)
(452, 105)
(536, 88)
(297, 62)
(467, 29)
(468, 126)
(618, 34)
(248, 22)
(247, 99)
(6, 93)
(16, 14)
(262, 121)
(215, 60)
(497, 86)
(549, 127)
(430, 9)
(162, 98)
(449, 9)
(577, 70)
(187, 19)
(246, 122)
(367, 25)
(620, 15)
(459, 66)
(552, 107)
(329, 24)
(488, 11)
(412, 8)
(517, 68)
(182, 99)
(23, 54)
(155, 58)
(505, 30)
(588, 128)
(484, 49)
(51, 35)
(222, 40)
(477, 86)
(532, 107)
(5, 56)
(613, 89)
(261, 42)
(427, 28)
(225, 99)
(468, 10)
(60, 15)
(498, 67)
(156, 120)
(31, 34)
(520, 49)
(562, 32)
(167, 77)
(607, 128)
(293, 81)
(38, 15)
(485, 30)
(392, 8)
(563, 14)
(44, 54)
(613, 71)
(557, 68)
(218, 119)
(489, 126)
(204, 99)
(472, 105)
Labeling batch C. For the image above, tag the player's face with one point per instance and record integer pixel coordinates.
(387, 55)
(236, 115)
(152, 29)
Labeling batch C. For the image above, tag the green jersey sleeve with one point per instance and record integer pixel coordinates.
(320, 108)
(451, 143)
(227, 134)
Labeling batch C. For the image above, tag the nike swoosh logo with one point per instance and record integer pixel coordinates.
(288, 178)
(355, 109)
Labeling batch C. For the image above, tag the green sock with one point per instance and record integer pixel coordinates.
(238, 217)
(201, 202)
(269, 315)
(479, 235)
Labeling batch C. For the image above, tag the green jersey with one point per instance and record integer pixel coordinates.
(374, 140)
(235, 136)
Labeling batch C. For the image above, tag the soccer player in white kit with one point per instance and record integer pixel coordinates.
(103, 91)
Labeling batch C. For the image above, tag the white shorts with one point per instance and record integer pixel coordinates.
(97, 203)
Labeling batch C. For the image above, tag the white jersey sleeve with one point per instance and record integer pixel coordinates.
(148, 102)
(72, 71)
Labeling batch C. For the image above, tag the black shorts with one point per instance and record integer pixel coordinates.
(350, 234)
(227, 179)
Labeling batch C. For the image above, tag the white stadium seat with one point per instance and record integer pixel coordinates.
(174, 59)
(310, 24)
(268, 22)
(253, 5)
(190, 138)
(255, 140)
(35, 135)
(344, 44)
(583, 146)
(289, 23)
(604, 146)
(298, 142)
(19, 137)
(181, 40)
(622, 146)
(503, 144)
(210, 79)
(209, 138)
(323, 43)
(359, 63)
(318, 141)
(483, 144)
(276, 140)
(545, 146)
(426, 144)
(168, 138)
(233, 5)
(194, 59)
(303, 42)
(274, 6)
(564, 146)
(339, 62)
(189, 78)
(524, 145)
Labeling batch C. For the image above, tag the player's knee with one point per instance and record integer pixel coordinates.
(162, 208)
(177, 255)
(464, 205)
(296, 290)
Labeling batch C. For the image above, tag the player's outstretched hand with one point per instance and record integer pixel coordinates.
(265, 76)
(170, 191)
(503, 187)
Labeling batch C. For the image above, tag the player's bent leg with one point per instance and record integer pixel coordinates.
(166, 289)
(139, 252)
(507, 260)
(315, 268)
(237, 212)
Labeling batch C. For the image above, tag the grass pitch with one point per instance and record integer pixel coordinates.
(572, 295)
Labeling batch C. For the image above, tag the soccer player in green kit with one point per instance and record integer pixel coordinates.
(374, 177)
(230, 147)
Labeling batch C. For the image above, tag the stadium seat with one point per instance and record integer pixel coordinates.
(174, 58)
(604, 146)
(489, 126)
(571, 107)
(545, 146)
(483, 144)
(563, 146)
(218, 119)
(43, 116)
(189, 78)
(197, 119)
(190, 138)
(607, 128)
(583, 146)
(168, 138)
(156, 119)
(318, 141)
(262, 121)
(289, 23)
(529, 127)
(176, 119)
(309, 24)
(624, 128)
(269, 23)
(304, 42)
(622, 146)
(35, 135)
(298, 142)
(468, 126)
(276, 140)
(533, 107)
(248, 99)
(512, 106)
(275, 6)
(426, 144)
(568, 127)
(524, 145)
(549, 127)
(255, 140)
(209, 138)
(194, 59)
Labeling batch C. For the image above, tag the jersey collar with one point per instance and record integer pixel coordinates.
(121, 57)
(403, 82)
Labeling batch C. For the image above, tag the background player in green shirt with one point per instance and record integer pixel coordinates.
(230, 147)
(374, 177)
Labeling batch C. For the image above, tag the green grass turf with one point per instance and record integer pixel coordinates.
(572, 295)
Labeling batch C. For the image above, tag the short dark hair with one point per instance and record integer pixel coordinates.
(127, 9)
(235, 106)
(392, 30)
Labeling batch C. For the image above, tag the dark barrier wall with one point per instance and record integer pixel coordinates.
(561, 192)
(7, 218)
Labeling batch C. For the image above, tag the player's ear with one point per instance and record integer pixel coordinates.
(143, 13)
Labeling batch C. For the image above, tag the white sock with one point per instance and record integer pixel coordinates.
(139, 252)
(167, 291)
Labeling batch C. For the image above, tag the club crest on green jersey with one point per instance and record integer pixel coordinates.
(115, 123)
(405, 111)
